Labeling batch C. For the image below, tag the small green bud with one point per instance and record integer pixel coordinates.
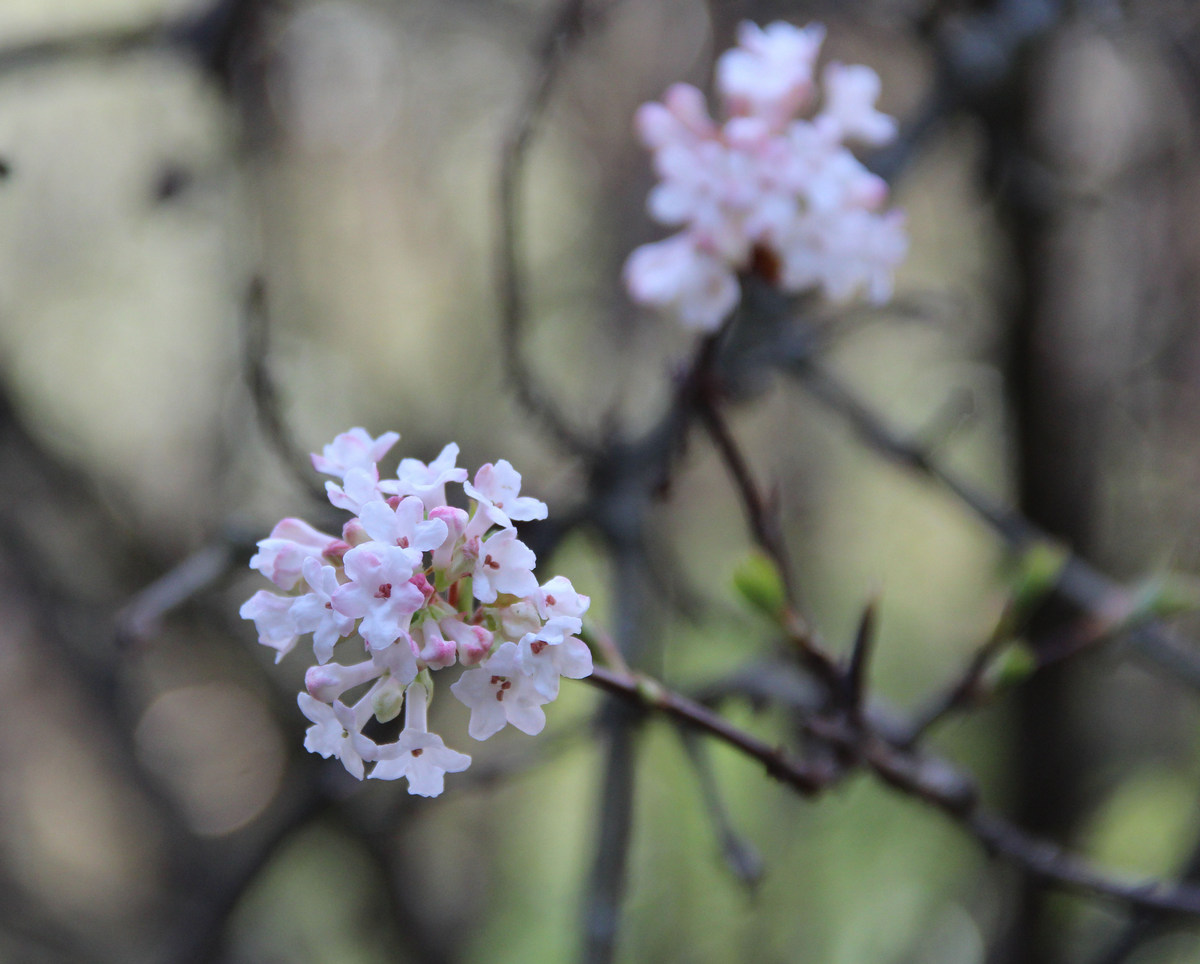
(1014, 665)
(388, 700)
(1037, 573)
(1165, 595)
(760, 583)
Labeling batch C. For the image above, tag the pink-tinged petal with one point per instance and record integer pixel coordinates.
(404, 525)
(273, 620)
(428, 482)
(500, 692)
(281, 556)
(770, 73)
(336, 732)
(359, 487)
(329, 681)
(354, 449)
(473, 642)
(504, 564)
(497, 490)
(850, 95)
(675, 275)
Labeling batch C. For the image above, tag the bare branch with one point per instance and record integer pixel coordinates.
(926, 778)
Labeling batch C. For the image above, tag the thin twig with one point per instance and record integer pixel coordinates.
(761, 516)
(563, 33)
(267, 407)
(1079, 582)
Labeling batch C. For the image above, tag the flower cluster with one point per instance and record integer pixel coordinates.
(766, 188)
(417, 585)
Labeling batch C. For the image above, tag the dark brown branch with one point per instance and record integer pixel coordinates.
(929, 779)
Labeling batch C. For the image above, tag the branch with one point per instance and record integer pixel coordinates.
(928, 779)
(267, 407)
(1078, 582)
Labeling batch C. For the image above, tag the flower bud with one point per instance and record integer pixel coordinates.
(388, 699)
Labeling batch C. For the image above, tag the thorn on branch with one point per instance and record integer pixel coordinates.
(860, 656)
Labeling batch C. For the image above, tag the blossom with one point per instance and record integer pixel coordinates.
(500, 692)
(379, 591)
(419, 587)
(281, 556)
(504, 564)
(769, 73)
(314, 613)
(545, 658)
(402, 525)
(336, 732)
(849, 110)
(419, 756)
(428, 482)
(497, 491)
(766, 186)
(354, 449)
(360, 486)
(272, 615)
(675, 275)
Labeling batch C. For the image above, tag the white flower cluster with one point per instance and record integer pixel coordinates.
(766, 188)
(417, 585)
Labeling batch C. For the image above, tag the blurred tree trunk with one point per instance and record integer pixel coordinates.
(1088, 173)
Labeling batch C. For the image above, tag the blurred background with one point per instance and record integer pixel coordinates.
(212, 212)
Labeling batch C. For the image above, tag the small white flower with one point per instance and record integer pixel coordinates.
(314, 612)
(281, 556)
(500, 692)
(544, 660)
(272, 615)
(404, 525)
(336, 732)
(497, 489)
(850, 95)
(675, 275)
(379, 591)
(769, 73)
(428, 482)
(419, 756)
(504, 564)
(354, 449)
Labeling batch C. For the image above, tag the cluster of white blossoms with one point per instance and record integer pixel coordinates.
(415, 585)
(767, 188)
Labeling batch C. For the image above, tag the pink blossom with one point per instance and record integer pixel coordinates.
(314, 612)
(675, 275)
(766, 180)
(354, 449)
(769, 74)
(849, 109)
(419, 756)
(497, 491)
(272, 615)
(281, 556)
(379, 591)
(403, 525)
(428, 482)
